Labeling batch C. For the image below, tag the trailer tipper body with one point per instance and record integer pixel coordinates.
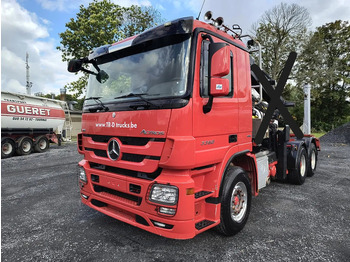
(29, 123)
(169, 132)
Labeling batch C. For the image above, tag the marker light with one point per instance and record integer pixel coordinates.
(82, 174)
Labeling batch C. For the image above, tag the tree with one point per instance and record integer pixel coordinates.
(101, 23)
(325, 64)
(281, 30)
(69, 98)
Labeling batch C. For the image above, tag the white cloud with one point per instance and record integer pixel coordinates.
(21, 32)
(185, 5)
(61, 5)
(160, 7)
(68, 5)
(325, 11)
(132, 2)
(245, 13)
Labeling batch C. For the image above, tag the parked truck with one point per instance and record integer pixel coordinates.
(169, 131)
(30, 123)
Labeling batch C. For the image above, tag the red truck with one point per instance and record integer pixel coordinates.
(169, 132)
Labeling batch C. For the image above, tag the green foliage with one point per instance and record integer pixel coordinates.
(78, 86)
(101, 23)
(325, 64)
(295, 95)
(69, 97)
(280, 31)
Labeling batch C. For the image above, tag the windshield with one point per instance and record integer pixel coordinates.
(156, 74)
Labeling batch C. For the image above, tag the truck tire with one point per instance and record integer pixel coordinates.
(235, 201)
(297, 176)
(8, 147)
(41, 144)
(24, 145)
(312, 160)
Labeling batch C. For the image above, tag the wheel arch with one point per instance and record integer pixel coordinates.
(311, 140)
(247, 162)
(294, 148)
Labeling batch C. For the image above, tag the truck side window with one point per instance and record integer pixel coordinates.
(204, 74)
(230, 76)
(204, 71)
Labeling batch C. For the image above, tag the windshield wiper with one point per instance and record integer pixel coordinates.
(149, 103)
(99, 102)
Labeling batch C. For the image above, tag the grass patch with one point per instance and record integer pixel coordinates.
(318, 135)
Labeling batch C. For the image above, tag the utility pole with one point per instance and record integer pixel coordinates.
(307, 109)
(29, 84)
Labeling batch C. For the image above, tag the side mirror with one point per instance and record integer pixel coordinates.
(219, 66)
(219, 87)
(75, 65)
(219, 55)
(102, 76)
(220, 63)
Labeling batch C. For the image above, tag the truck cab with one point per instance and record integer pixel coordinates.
(167, 133)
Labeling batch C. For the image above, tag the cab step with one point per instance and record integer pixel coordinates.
(204, 223)
(201, 194)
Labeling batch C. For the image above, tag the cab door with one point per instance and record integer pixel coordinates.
(218, 127)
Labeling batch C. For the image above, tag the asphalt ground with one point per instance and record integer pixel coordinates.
(42, 218)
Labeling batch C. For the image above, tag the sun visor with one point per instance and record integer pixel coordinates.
(180, 26)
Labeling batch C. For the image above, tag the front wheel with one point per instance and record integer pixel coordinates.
(235, 201)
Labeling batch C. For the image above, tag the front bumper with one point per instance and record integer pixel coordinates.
(115, 196)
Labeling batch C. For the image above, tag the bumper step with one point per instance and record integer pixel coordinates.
(204, 223)
(202, 194)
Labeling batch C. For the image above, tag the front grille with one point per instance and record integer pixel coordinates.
(126, 172)
(126, 157)
(139, 156)
(132, 141)
(133, 199)
(98, 152)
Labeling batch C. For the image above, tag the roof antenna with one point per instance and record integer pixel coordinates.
(200, 10)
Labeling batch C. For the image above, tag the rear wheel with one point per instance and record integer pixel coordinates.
(41, 144)
(24, 146)
(312, 160)
(235, 201)
(298, 175)
(8, 147)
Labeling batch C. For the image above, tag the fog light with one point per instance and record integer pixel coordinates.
(158, 224)
(167, 211)
(162, 225)
(164, 194)
(84, 196)
(82, 174)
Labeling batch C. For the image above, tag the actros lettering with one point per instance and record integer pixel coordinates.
(150, 132)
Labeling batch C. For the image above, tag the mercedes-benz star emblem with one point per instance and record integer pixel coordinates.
(113, 150)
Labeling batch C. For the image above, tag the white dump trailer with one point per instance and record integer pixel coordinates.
(29, 123)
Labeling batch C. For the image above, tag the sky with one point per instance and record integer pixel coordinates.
(33, 27)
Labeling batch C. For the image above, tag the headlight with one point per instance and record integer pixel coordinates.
(164, 194)
(82, 174)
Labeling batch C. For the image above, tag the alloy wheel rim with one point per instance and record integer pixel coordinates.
(239, 199)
